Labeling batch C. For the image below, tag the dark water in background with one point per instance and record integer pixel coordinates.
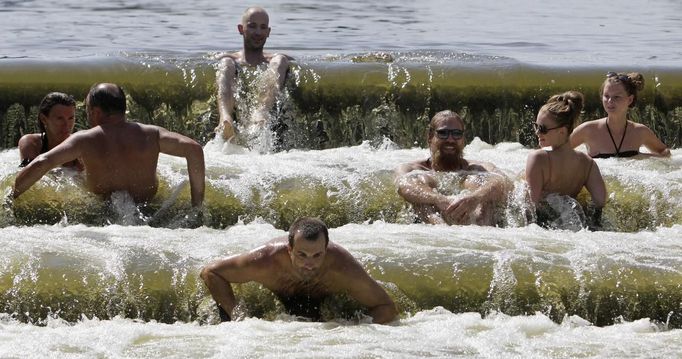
(368, 72)
(382, 67)
(576, 33)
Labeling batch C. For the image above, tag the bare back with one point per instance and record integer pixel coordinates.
(566, 173)
(121, 157)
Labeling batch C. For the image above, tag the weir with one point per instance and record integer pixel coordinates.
(342, 102)
(103, 272)
(348, 124)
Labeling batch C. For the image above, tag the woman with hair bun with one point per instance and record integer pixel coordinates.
(615, 135)
(561, 170)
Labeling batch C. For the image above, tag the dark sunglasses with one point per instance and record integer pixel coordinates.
(542, 129)
(621, 78)
(443, 134)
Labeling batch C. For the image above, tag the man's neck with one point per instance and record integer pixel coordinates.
(458, 165)
(253, 57)
(111, 120)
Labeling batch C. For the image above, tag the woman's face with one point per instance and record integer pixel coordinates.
(59, 122)
(615, 98)
(547, 129)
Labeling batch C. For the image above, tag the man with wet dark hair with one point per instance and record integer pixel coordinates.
(118, 155)
(484, 188)
(301, 270)
(255, 30)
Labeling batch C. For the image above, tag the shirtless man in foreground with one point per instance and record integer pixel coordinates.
(118, 155)
(487, 188)
(303, 267)
(255, 29)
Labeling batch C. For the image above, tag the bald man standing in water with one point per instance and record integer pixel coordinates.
(255, 29)
(483, 186)
(301, 270)
(118, 155)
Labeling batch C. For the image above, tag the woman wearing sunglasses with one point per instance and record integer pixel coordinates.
(614, 135)
(561, 170)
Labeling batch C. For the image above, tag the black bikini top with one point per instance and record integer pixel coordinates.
(618, 153)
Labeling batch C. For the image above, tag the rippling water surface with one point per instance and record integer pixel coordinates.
(99, 285)
(630, 32)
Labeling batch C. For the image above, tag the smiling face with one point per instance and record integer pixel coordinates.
(554, 135)
(255, 29)
(615, 98)
(307, 256)
(449, 150)
(59, 122)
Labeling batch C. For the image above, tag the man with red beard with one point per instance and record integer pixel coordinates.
(482, 186)
(301, 271)
(255, 29)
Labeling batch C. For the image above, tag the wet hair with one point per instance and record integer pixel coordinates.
(310, 229)
(441, 115)
(51, 100)
(110, 98)
(566, 108)
(633, 83)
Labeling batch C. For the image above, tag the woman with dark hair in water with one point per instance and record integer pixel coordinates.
(615, 135)
(56, 118)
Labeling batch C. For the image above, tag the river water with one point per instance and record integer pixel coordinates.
(80, 278)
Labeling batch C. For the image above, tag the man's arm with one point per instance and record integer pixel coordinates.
(225, 79)
(494, 188)
(178, 145)
(65, 152)
(241, 268)
(365, 289)
(273, 82)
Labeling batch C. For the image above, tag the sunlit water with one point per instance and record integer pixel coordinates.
(130, 272)
(130, 263)
(582, 32)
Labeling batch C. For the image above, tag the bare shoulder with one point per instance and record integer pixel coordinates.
(583, 157)
(640, 129)
(537, 158)
(481, 166)
(30, 141)
(537, 154)
(236, 56)
(342, 261)
(592, 124)
(265, 258)
(413, 166)
(271, 56)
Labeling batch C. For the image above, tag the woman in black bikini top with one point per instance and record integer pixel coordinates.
(619, 94)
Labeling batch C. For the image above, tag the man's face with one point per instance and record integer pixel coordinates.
(307, 256)
(446, 142)
(255, 30)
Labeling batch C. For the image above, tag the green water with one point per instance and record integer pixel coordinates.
(340, 104)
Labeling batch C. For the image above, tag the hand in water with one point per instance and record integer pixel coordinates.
(226, 129)
(460, 209)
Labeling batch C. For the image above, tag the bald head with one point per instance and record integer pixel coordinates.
(253, 12)
(110, 98)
